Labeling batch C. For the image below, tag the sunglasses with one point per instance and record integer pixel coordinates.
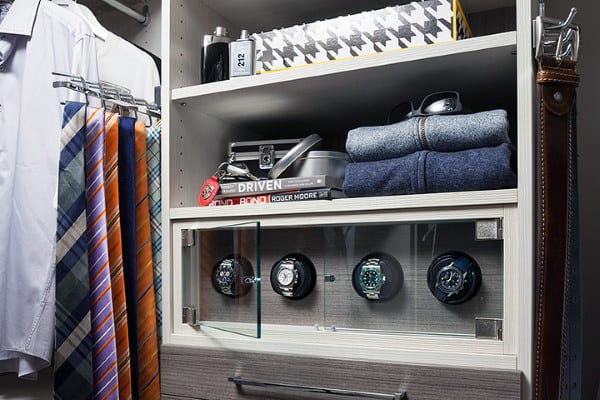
(440, 103)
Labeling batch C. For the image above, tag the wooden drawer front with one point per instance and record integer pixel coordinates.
(199, 373)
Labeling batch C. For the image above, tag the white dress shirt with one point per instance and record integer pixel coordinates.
(36, 39)
(123, 64)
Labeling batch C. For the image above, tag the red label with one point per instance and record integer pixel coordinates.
(208, 192)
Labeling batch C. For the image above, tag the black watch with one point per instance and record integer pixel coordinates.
(233, 276)
(454, 277)
(293, 276)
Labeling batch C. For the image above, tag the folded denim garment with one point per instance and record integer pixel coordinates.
(432, 172)
(441, 133)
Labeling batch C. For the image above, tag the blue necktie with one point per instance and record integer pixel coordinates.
(73, 378)
(127, 205)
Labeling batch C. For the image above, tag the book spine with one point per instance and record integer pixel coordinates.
(321, 194)
(251, 188)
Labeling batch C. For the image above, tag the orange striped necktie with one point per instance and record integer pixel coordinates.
(115, 252)
(149, 381)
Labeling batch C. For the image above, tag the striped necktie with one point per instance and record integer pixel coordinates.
(103, 329)
(149, 382)
(115, 252)
(153, 156)
(126, 164)
(73, 379)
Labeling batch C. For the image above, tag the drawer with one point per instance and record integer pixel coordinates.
(201, 373)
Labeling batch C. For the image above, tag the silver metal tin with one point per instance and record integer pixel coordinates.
(331, 163)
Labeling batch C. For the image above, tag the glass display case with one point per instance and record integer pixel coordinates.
(435, 278)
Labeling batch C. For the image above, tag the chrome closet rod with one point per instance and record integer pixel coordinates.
(141, 18)
(312, 389)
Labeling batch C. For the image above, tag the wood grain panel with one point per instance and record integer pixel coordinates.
(202, 374)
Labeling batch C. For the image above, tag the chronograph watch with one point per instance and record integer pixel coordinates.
(454, 277)
(293, 276)
(233, 276)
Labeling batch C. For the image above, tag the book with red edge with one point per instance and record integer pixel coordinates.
(251, 188)
(292, 196)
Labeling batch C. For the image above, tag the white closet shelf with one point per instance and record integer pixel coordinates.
(343, 208)
(482, 69)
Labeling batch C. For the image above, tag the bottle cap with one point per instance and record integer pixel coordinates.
(221, 31)
(245, 35)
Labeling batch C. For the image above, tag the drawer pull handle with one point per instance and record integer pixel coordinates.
(312, 389)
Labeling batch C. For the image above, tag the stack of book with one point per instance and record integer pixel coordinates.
(279, 191)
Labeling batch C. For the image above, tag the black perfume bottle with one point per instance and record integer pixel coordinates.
(214, 63)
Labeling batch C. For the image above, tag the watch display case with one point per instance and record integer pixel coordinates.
(430, 278)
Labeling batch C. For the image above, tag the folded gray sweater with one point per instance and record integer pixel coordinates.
(445, 133)
(430, 172)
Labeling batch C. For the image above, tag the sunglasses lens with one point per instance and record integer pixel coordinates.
(401, 112)
(440, 103)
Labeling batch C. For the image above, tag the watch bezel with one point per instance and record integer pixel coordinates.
(289, 266)
(458, 271)
(380, 278)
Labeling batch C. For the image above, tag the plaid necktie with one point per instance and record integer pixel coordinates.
(126, 164)
(73, 355)
(149, 382)
(115, 252)
(103, 329)
(153, 156)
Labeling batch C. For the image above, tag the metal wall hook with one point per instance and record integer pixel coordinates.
(555, 37)
(567, 22)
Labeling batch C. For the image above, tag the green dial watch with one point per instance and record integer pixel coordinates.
(371, 278)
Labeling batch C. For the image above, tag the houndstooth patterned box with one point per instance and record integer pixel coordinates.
(392, 28)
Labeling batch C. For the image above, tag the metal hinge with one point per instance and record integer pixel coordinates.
(488, 328)
(489, 229)
(189, 316)
(188, 237)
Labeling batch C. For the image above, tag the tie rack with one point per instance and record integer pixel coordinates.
(108, 93)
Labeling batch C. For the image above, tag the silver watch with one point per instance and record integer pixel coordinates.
(226, 276)
(287, 276)
(371, 278)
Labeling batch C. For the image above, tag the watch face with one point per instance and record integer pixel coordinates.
(370, 279)
(285, 276)
(450, 280)
(225, 275)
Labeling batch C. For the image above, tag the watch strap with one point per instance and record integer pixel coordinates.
(463, 263)
(557, 82)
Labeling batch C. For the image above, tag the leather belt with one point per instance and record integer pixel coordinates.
(557, 82)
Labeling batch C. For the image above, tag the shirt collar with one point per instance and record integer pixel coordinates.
(20, 18)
